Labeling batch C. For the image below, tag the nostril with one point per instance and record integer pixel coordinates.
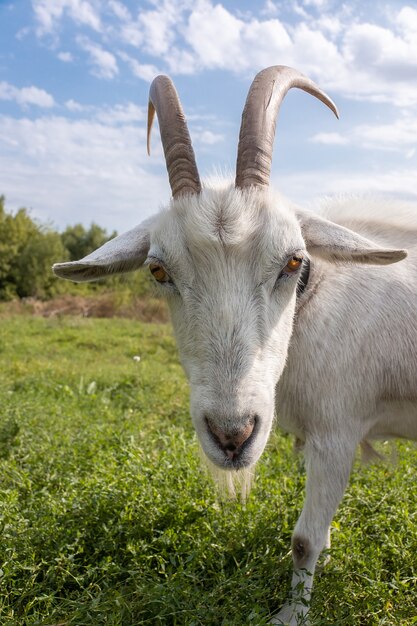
(216, 433)
(231, 441)
(247, 431)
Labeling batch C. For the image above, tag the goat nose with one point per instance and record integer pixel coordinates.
(231, 441)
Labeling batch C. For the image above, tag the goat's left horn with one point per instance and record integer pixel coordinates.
(257, 131)
(176, 141)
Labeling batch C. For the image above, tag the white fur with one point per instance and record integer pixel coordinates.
(338, 364)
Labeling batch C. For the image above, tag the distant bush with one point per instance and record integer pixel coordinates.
(29, 249)
(79, 241)
(115, 303)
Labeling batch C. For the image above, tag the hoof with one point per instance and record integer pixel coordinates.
(291, 615)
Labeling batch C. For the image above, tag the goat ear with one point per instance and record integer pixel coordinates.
(124, 253)
(332, 242)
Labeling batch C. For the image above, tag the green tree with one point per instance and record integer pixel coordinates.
(15, 232)
(33, 272)
(27, 252)
(79, 241)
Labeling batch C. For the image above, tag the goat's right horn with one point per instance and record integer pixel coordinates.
(176, 141)
(257, 131)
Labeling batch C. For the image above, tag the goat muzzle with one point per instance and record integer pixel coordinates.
(233, 441)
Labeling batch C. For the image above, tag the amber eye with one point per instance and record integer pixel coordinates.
(293, 264)
(159, 273)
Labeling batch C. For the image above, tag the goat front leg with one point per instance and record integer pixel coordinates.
(328, 466)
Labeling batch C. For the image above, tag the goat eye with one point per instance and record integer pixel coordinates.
(159, 273)
(293, 265)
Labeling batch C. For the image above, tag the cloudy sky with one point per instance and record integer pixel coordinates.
(74, 80)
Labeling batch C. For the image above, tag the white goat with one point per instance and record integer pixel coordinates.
(275, 307)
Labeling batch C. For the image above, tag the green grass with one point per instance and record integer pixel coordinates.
(107, 519)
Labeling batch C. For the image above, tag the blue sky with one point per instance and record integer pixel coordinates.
(74, 81)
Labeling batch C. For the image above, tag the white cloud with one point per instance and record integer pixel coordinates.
(398, 135)
(318, 4)
(379, 65)
(305, 187)
(104, 63)
(215, 35)
(74, 106)
(66, 57)
(270, 9)
(374, 60)
(144, 71)
(207, 137)
(48, 14)
(121, 114)
(84, 170)
(22, 33)
(333, 139)
(120, 10)
(132, 34)
(377, 46)
(182, 62)
(315, 54)
(96, 168)
(329, 24)
(358, 59)
(153, 30)
(26, 95)
(407, 20)
(80, 170)
(158, 29)
(109, 115)
(395, 135)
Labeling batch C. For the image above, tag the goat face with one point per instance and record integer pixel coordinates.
(232, 284)
(228, 263)
(228, 260)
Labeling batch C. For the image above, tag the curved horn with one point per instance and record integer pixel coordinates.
(257, 131)
(176, 141)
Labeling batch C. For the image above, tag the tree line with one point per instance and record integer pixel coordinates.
(28, 249)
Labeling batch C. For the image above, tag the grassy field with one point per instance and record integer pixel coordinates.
(107, 519)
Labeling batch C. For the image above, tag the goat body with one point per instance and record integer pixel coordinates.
(350, 376)
(337, 363)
